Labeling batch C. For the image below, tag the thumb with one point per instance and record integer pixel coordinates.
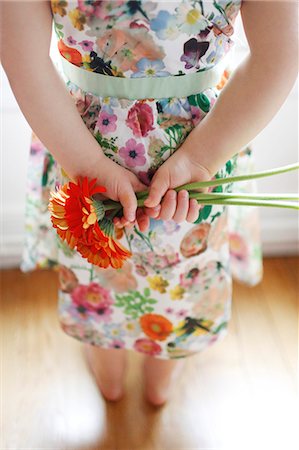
(128, 200)
(158, 187)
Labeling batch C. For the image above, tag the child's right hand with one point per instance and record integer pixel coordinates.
(121, 185)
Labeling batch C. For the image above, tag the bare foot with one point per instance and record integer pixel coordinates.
(108, 368)
(159, 378)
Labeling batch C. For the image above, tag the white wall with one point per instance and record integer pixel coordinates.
(276, 145)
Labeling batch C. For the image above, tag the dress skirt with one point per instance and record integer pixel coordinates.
(173, 297)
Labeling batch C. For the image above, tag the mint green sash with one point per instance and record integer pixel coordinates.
(146, 87)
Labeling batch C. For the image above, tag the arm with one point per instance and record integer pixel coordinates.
(257, 88)
(47, 105)
(38, 88)
(252, 96)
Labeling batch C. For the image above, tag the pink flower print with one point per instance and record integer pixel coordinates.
(159, 262)
(92, 8)
(218, 233)
(169, 310)
(93, 298)
(187, 279)
(141, 270)
(211, 303)
(147, 346)
(117, 343)
(196, 115)
(133, 153)
(238, 248)
(120, 280)
(182, 313)
(86, 45)
(140, 119)
(106, 122)
(71, 40)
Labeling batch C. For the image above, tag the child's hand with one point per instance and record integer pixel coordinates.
(121, 185)
(177, 170)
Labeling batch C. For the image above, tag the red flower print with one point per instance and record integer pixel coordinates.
(147, 346)
(140, 119)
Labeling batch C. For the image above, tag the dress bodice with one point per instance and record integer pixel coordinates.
(145, 38)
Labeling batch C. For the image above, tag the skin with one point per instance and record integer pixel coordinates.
(250, 99)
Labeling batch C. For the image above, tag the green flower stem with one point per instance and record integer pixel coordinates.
(200, 196)
(220, 181)
(274, 200)
(280, 201)
(110, 204)
(252, 176)
(224, 202)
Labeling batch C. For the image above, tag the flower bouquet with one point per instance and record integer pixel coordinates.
(85, 223)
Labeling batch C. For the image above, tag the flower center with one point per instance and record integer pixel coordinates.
(133, 153)
(193, 16)
(156, 328)
(150, 71)
(93, 298)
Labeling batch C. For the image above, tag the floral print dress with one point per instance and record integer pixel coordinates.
(172, 298)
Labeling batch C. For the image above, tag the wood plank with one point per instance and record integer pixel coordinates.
(238, 392)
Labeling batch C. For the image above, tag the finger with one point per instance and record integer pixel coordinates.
(128, 200)
(182, 206)
(158, 187)
(124, 222)
(168, 205)
(152, 212)
(116, 221)
(193, 211)
(120, 222)
(143, 220)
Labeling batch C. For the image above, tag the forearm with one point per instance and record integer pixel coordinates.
(52, 114)
(250, 99)
(40, 91)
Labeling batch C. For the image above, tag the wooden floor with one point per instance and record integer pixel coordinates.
(239, 394)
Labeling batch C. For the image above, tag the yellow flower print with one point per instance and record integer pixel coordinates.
(86, 58)
(58, 7)
(78, 19)
(86, 62)
(206, 324)
(177, 293)
(158, 283)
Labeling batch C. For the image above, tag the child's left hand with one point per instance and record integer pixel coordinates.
(179, 169)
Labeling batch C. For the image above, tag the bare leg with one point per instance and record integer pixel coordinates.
(159, 378)
(108, 367)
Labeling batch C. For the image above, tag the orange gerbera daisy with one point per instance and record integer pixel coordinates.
(103, 254)
(80, 221)
(156, 326)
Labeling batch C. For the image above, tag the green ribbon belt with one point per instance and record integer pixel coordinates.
(145, 87)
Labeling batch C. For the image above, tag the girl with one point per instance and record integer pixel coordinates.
(172, 299)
